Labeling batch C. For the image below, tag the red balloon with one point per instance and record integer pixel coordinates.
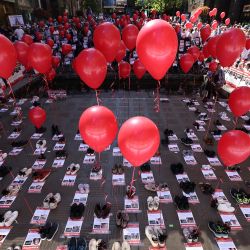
(222, 15)
(114, 15)
(205, 32)
(129, 35)
(50, 42)
(213, 66)
(124, 69)
(85, 30)
(39, 36)
(234, 147)
(177, 28)
(65, 19)
(138, 140)
(8, 57)
(227, 21)
(91, 66)
(156, 46)
(40, 57)
(193, 19)
(107, 39)
(55, 61)
(51, 75)
(205, 51)
(121, 52)
(41, 24)
(139, 69)
(178, 13)
(27, 39)
(212, 45)
(89, 17)
(66, 26)
(199, 25)
(186, 62)
(201, 57)
(189, 25)
(98, 127)
(68, 36)
(51, 29)
(183, 18)
(37, 116)
(214, 25)
(248, 43)
(59, 19)
(194, 51)
(66, 49)
(22, 49)
(50, 19)
(230, 45)
(239, 101)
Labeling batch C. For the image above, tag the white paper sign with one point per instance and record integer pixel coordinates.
(73, 228)
(192, 197)
(36, 187)
(155, 160)
(186, 219)
(132, 205)
(193, 246)
(165, 196)
(231, 220)
(39, 164)
(36, 136)
(118, 179)
(147, 177)
(15, 151)
(58, 163)
(126, 163)
(14, 135)
(69, 180)
(39, 151)
(197, 148)
(209, 174)
(173, 137)
(131, 234)
(101, 226)
(33, 240)
(7, 201)
(155, 218)
(214, 161)
(182, 177)
(80, 198)
(117, 151)
(59, 146)
(40, 216)
(4, 231)
(89, 159)
(83, 147)
(225, 244)
(173, 148)
(245, 209)
(233, 175)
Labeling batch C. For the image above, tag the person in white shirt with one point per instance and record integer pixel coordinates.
(19, 33)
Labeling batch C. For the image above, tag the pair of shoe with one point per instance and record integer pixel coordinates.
(118, 246)
(90, 151)
(206, 188)
(130, 191)
(203, 117)
(7, 219)
(40, 130)
(187, 141)
(223, 205)
(48, 231)
(191, 234)
(197, 125)
(155, 187)
(165, 141)
(153, 203)
(18, 129)
(156, 236)
(117, 169)
(11, 190)
(122, 219)
(4, 170)
(40, 175)
(181, 202)
(216, 132)
(145, 167)
(240, 196)
(209, 153)
(14, 248)
(72, 169)
(102, 211)
(96, 169)
(77, 244)
(83, 188)
(19, 144)
(51, 200)
(168, 132)
(187, 186)
(3, 156)
(209, 141)
(25, 172)
(41, 157)
(97, 244)
(219, 229)
(217, 123)
(62, 140)
(55, 130)
(61, 154)
(76, 211)
(177, 168)
(41, 144)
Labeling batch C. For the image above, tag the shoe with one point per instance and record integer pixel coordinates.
(98, 210)
(73, 211)
(10, 218)
(218, 229)
(90, 151)
(116, 246)
(83, 188)
(75, 169)
(241, 197)
(72, 244)
(151, 187)
(177, 168)
(156, 203)
(25, 172)
(209, 153)
(92, 244)
(191, 234)
(69, 168)
(106, 210)
(225, 207)
(125, 220)
(79, 211)
(145, 167)
(17, 248)
(101, 245)
(187, 186)
(3, 156)
(130, 192)
(125, 245)
(181, 202)
(151, 235)
(206, 188)
(163, 186)
(162, 236)
(168, 132)
(44, 230)
(115, 169)
(54, 200)
(120, 169)
(217, 123)
(81, 244)
(187, 141)
(52, 231)
(150, 201)
(41, 144)
(46, 201)
(41, 176)
(118, 218)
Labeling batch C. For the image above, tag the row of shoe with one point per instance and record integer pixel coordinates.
(19, 144)
(240, 196)
(122, 219)
(102, 211)
(48, 231)
(11, 190)
(41, 144)
(206, 188)
(153, 203)
(156, 187)
(72, 169)
(222, 205)
(61, 154)
(77, 211)
(77, 244)
(83, 188)
(219, 229)
(177, 168)
(130, 191)
(187, 186)
(51, 201)
(7, 219)
(156, 236)
(97, 244)
(191, 234)
(24, 172)
(118, 246)
(181, 202)
(117, 169)
(40, 175)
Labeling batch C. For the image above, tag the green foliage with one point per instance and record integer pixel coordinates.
(95, 5)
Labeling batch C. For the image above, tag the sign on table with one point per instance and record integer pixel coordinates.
(80, 198)
(4, 231)
(38, 164)
(58, 163)
(117, 151)
(233, 175)
(186, 219)
(225, 244)
(33, 240)
(89, 159)
(132, 205)
(69, 180)
(231, 220)
(101, 226)
(147, 177)
(36, 187)
(40, 216)
(36, 136)
(165, 196)
(155, 160)
(118, 179)
(73, 228)
(131, 234)
(155, 218)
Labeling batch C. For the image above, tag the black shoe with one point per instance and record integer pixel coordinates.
(73, 211)
(52, 231)
(187, 186)
(106, 210)
(168, 132)
(165, 141)
(209, 153)
(187, 141)
(44, 230)
(4, 170)
(247, 122)
(218, 229)
(217, 123)
(79, 211)
(90, 151)
(81, 244)
(102, 245)
(98, 210)
(177, 168)
(72, 244)
(181, 202)
(40, 130)
(17, 144)
(216, 132)
(145, 167)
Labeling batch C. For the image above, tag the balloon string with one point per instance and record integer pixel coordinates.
(98, 99)
(157, 97)
(113, 83)
(12, 92)
(46, 83)
(235, 122)
(132, 180)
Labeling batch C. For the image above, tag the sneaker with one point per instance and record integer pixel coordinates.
(130, 192)
(162, 236)
(72, 244)
(116, 246)
(168, 132)
(90, 151)
(156, 203)
(81, 244)
(46, 201)
(54, 200)
(151, 235)
(40, 130)
(181, 202)
(93, 244)
(187, 234)
(206, 188)
(118, 218)
(187, 141)
(125, 245)
(150, 201)
(177, 168)
(218, 230)
(187, 186)
(115, 169)
(10, 218)
(75, 169)
(209, 141)
(52, 231)
(209, 153)
(106, 210)
(98, 210)
(225, 207)
(239, 197)
(101, 245)
(151, 187)
(145, 167)
(41, 144)
(125, 220)
(83, 188)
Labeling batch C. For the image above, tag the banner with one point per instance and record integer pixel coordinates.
(16, 20)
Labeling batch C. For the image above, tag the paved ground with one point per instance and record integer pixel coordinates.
(174, 115)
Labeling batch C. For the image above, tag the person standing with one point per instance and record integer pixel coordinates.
(19, 32)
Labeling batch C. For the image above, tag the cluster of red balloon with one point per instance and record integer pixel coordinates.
(138, 137)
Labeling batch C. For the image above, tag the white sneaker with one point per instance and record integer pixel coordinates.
(46, 203)
(156, 203)
(41, 144)
(17, 248)
(93, 244)
(150, 201)
(125, 245)
(225, 208)
(8, 222)
(116, 246)
(83, 188)
(56, 199)
(150, 233)
(75, 169)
